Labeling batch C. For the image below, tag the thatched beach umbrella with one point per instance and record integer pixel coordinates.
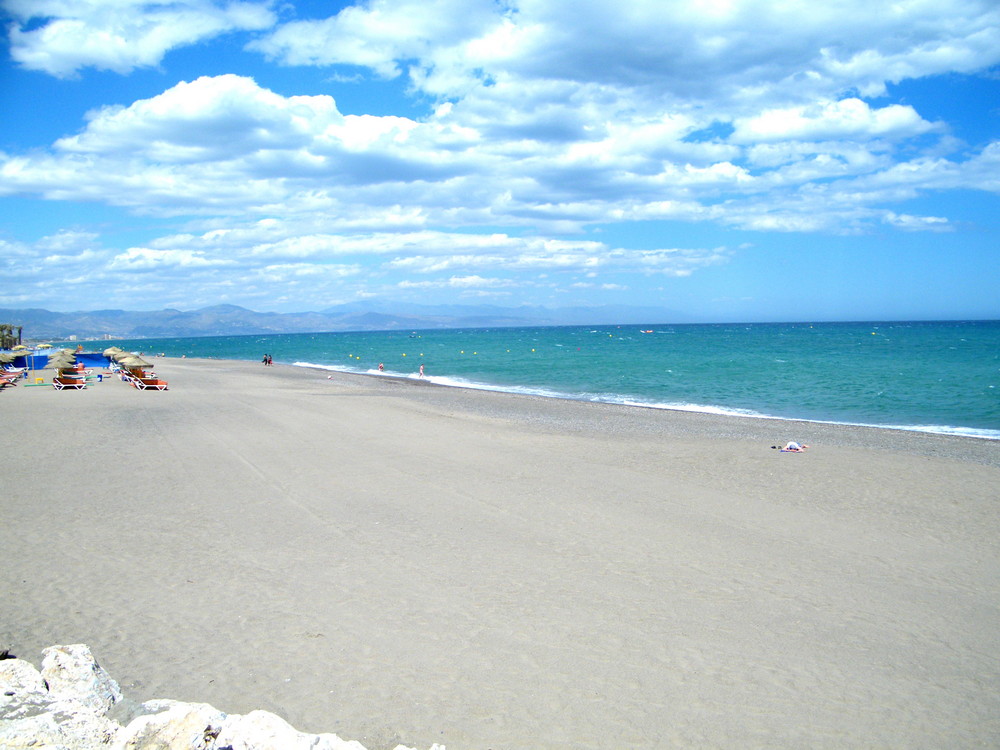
(133, 360)
(8, 358)
(63, 359)
(111, 352)
(135, 364)
(120, 357)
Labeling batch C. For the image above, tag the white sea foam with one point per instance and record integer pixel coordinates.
(947, 430)
(453, 382)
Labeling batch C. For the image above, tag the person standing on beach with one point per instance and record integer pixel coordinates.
(264, 360)
(421, 370)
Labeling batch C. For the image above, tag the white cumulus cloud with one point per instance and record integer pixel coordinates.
(119, 35)
(533, 126)
(847, 118)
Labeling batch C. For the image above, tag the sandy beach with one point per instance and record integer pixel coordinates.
(400, 562)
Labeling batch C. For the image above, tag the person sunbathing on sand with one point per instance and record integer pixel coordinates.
(792, 447)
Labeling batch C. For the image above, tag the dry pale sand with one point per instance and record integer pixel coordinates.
(397, 562)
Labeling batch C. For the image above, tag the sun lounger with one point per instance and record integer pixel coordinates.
(72, 383)
(126, 375)
(150, 384)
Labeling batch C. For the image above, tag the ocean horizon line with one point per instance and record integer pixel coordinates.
(443, 329)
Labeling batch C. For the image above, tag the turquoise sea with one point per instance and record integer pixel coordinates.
(930, 376)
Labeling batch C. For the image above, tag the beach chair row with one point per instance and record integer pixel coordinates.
(71, 375)
(9, 376)
(76, 378)
(139, 379)
(71, 378)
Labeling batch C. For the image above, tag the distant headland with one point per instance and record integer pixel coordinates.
(232, 320)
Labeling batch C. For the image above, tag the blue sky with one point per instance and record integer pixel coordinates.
(722, 159)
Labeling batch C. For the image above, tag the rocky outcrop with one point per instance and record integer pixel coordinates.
(73, 704)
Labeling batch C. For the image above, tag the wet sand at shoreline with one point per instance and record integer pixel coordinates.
(400, 562)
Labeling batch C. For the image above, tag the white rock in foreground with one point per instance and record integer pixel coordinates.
(71, 673)
(199, 725)
(65, 706)
(66, 714)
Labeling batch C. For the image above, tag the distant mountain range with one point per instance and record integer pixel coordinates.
(230, 320)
